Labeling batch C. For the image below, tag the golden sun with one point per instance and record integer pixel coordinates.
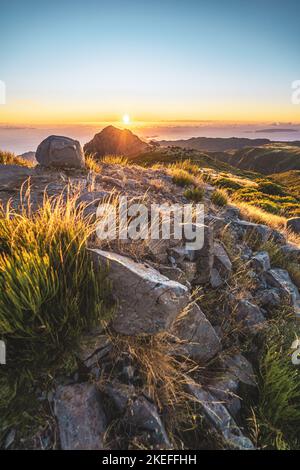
(126, 119)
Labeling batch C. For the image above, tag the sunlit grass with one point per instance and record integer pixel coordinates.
(91, 164)
(116, 160)
(219, 197)
(50, 292)
(8, 158)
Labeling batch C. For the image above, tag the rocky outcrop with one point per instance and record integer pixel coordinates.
(258, 233)
(148, 302)
(61, 152)
(113, 141)
(80, 415)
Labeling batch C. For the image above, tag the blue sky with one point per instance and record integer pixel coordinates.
(81, 61)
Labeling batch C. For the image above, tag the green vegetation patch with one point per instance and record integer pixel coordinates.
(50, 293)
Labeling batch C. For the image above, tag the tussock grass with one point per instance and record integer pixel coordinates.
(8, 158)
(116, 160)
(181, 177)
(91, 164)
(194, 194)
(50, 292)
(219, 197)
(186, 165)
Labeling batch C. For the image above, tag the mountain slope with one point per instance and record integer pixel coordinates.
(268, 159)
(291, 179)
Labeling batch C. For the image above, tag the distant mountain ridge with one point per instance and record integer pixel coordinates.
(215, 144)
(221, 144)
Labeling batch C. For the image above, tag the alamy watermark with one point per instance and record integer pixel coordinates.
(296, 92)
(127, 221)
(2, 92)
(2, 353)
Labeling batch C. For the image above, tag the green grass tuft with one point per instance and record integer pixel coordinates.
(50, 293)
(194, 194)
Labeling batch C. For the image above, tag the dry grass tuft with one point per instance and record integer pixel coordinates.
(116, 160)
(91, 164)
(8, 158)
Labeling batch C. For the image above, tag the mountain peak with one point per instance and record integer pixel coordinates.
(114, 141)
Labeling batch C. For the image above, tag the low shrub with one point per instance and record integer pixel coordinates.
(227, 183)
(267, 187)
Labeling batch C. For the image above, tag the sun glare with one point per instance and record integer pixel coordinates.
(126, 119)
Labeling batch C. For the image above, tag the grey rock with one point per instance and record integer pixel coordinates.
(199, 340)
(225, 389)
(222, 261)
(93, 348)
(261, 261)
(280, 279)
(13, 176)
(237, 378)
(291, 252)
(205, 258)
(174, 273)
(215, 279)
(59, 151)
(119, 393)
(190, 270)
(80, 416)
(93, 198)
(148, 302)
(142, 415)
(258, 232)
(249, 315)
(217, 224)
(160, 249)
(293, 224)
(268, 298)
(139, 414)
(240, 368)
(218, 417)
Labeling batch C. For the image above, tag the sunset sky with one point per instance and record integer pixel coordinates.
(87, 61)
